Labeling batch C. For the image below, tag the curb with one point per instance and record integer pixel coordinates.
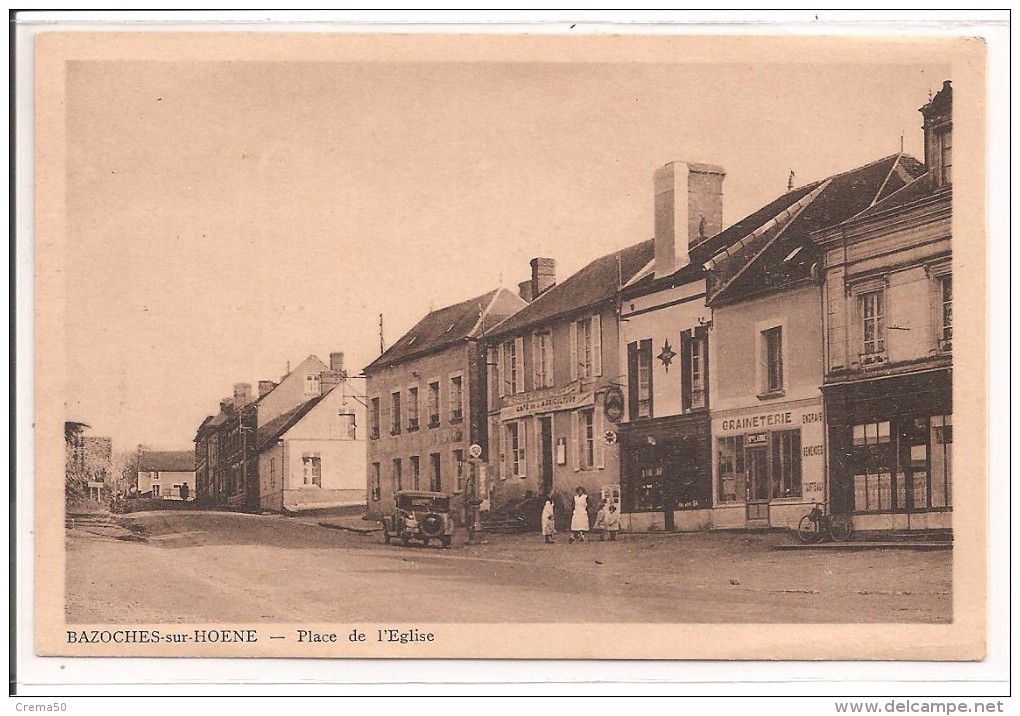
(861, 546)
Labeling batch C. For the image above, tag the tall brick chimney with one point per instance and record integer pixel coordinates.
(336, 362)
(265, 386)
(688, 210)
(543, 276)
(242, 395)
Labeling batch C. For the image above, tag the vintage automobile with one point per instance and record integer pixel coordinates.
(419, 515)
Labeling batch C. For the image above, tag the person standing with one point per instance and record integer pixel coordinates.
(579, 518)
(611, 523)
(548, 520)
(600, 521)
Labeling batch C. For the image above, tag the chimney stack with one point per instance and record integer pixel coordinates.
(265, 386)
(226, 405)
(328, 379)
(543, 276)
(242, 395)
(336, 363)
(524, 290)
(688, 210)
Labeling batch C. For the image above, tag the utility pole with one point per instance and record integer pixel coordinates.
(382, 346)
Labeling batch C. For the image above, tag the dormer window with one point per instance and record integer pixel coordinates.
(944, 146)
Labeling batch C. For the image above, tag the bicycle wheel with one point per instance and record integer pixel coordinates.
(840, 528)
(807, 530)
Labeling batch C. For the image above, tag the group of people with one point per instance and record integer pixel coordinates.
(607, 520)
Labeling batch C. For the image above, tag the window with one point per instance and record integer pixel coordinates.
(376, 481)
(516, 438)
(395, 413)
(873, 463)
(772, 359)
(872, 325)
(513, 368)
(435, 472)
(458, 466)
(374, 418)
(456, 399)
(945, 145)
(155, 490)
(312, 470)
(398, 478)
(694, 369)
(415, 472)
(495, 379)
(941, 460)
(946, 314)
(732, 478)
(312, 385)
(412, 408)
(542, 359)
(434, 404)
(698, 364)
(639, 359)
(785, 468)
(586, 438)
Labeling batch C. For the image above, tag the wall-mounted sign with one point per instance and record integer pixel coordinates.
(568, 399)
(612, 403)
(757, 439)
(475, 450)
(561, 451)
(609, 437)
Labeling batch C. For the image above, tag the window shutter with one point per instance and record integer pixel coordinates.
(596, 344)
(600, 446)
(550, 361)
(646, 350)
(501, 369)
(702, 334)
(632, 380)
(573, 351)
(575, 455)
(536, 362)
(522, 431)
(685, 371)
(519, 347)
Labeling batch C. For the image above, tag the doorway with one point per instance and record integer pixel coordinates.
(546, 470)
(757, 461)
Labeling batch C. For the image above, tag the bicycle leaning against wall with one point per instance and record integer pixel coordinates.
(815, 525)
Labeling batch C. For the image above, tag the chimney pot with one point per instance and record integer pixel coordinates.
(265, 386)
(543, 276)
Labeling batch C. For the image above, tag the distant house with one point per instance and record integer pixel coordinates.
(312, 456)
(164, 473)
(88, 461)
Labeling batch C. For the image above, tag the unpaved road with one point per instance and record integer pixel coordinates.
(195, 567)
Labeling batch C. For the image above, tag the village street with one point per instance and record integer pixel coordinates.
(181, 567)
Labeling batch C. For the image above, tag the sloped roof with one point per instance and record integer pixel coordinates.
(917, 190)
(268, 434)
(446, 326)
(166, 461)
(776, 258)
(593, 284)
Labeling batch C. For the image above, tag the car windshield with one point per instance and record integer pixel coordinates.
(423, 503)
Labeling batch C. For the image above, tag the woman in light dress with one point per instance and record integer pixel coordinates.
(579, 518)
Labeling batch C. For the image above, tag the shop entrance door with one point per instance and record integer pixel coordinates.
(547, 455)
(757, 461)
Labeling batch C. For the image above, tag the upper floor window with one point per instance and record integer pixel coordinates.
(872, 324)
(395, 413)
(434, 404)
(946, 313)
(945, 147)
(639, 359)
(694, 369)
(513, 376)
(586, 348)
(772, 359)
(542, 359)
(312, 384)
(373, 418)
(456, 398)
(412, 408)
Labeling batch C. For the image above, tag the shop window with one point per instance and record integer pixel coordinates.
(435, 472)
(786, 466)
(412, 408)
(873, 468)
(732, 478)
(376, 481)
(373, 417)
(872, 306)
(395, 413)
(941, 460)
(312, 470)
(456, 399)
(946, 313)
(415, 472)
(639, 376)
(542, 359)
(434, 404)
(772, 360)
(398, 477)
(458, 466)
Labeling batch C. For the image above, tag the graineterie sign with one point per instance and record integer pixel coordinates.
(568, 399)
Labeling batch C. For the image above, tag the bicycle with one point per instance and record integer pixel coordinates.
(816, 524)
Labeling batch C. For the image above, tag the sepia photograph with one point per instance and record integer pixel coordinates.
(645, 345)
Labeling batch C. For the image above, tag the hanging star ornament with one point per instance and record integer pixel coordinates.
(667, 355)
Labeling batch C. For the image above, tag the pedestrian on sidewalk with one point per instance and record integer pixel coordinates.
(548, 520)
(611, 524)
(579, 520)
(600, 521)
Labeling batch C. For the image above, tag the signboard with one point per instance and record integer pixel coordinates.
(475, 450)
(568, 399)
(612, 404)
(757, 439)
(609, 437)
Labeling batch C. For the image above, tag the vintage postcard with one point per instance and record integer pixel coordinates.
(510, 346)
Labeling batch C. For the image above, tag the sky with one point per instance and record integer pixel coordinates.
(226, 218)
